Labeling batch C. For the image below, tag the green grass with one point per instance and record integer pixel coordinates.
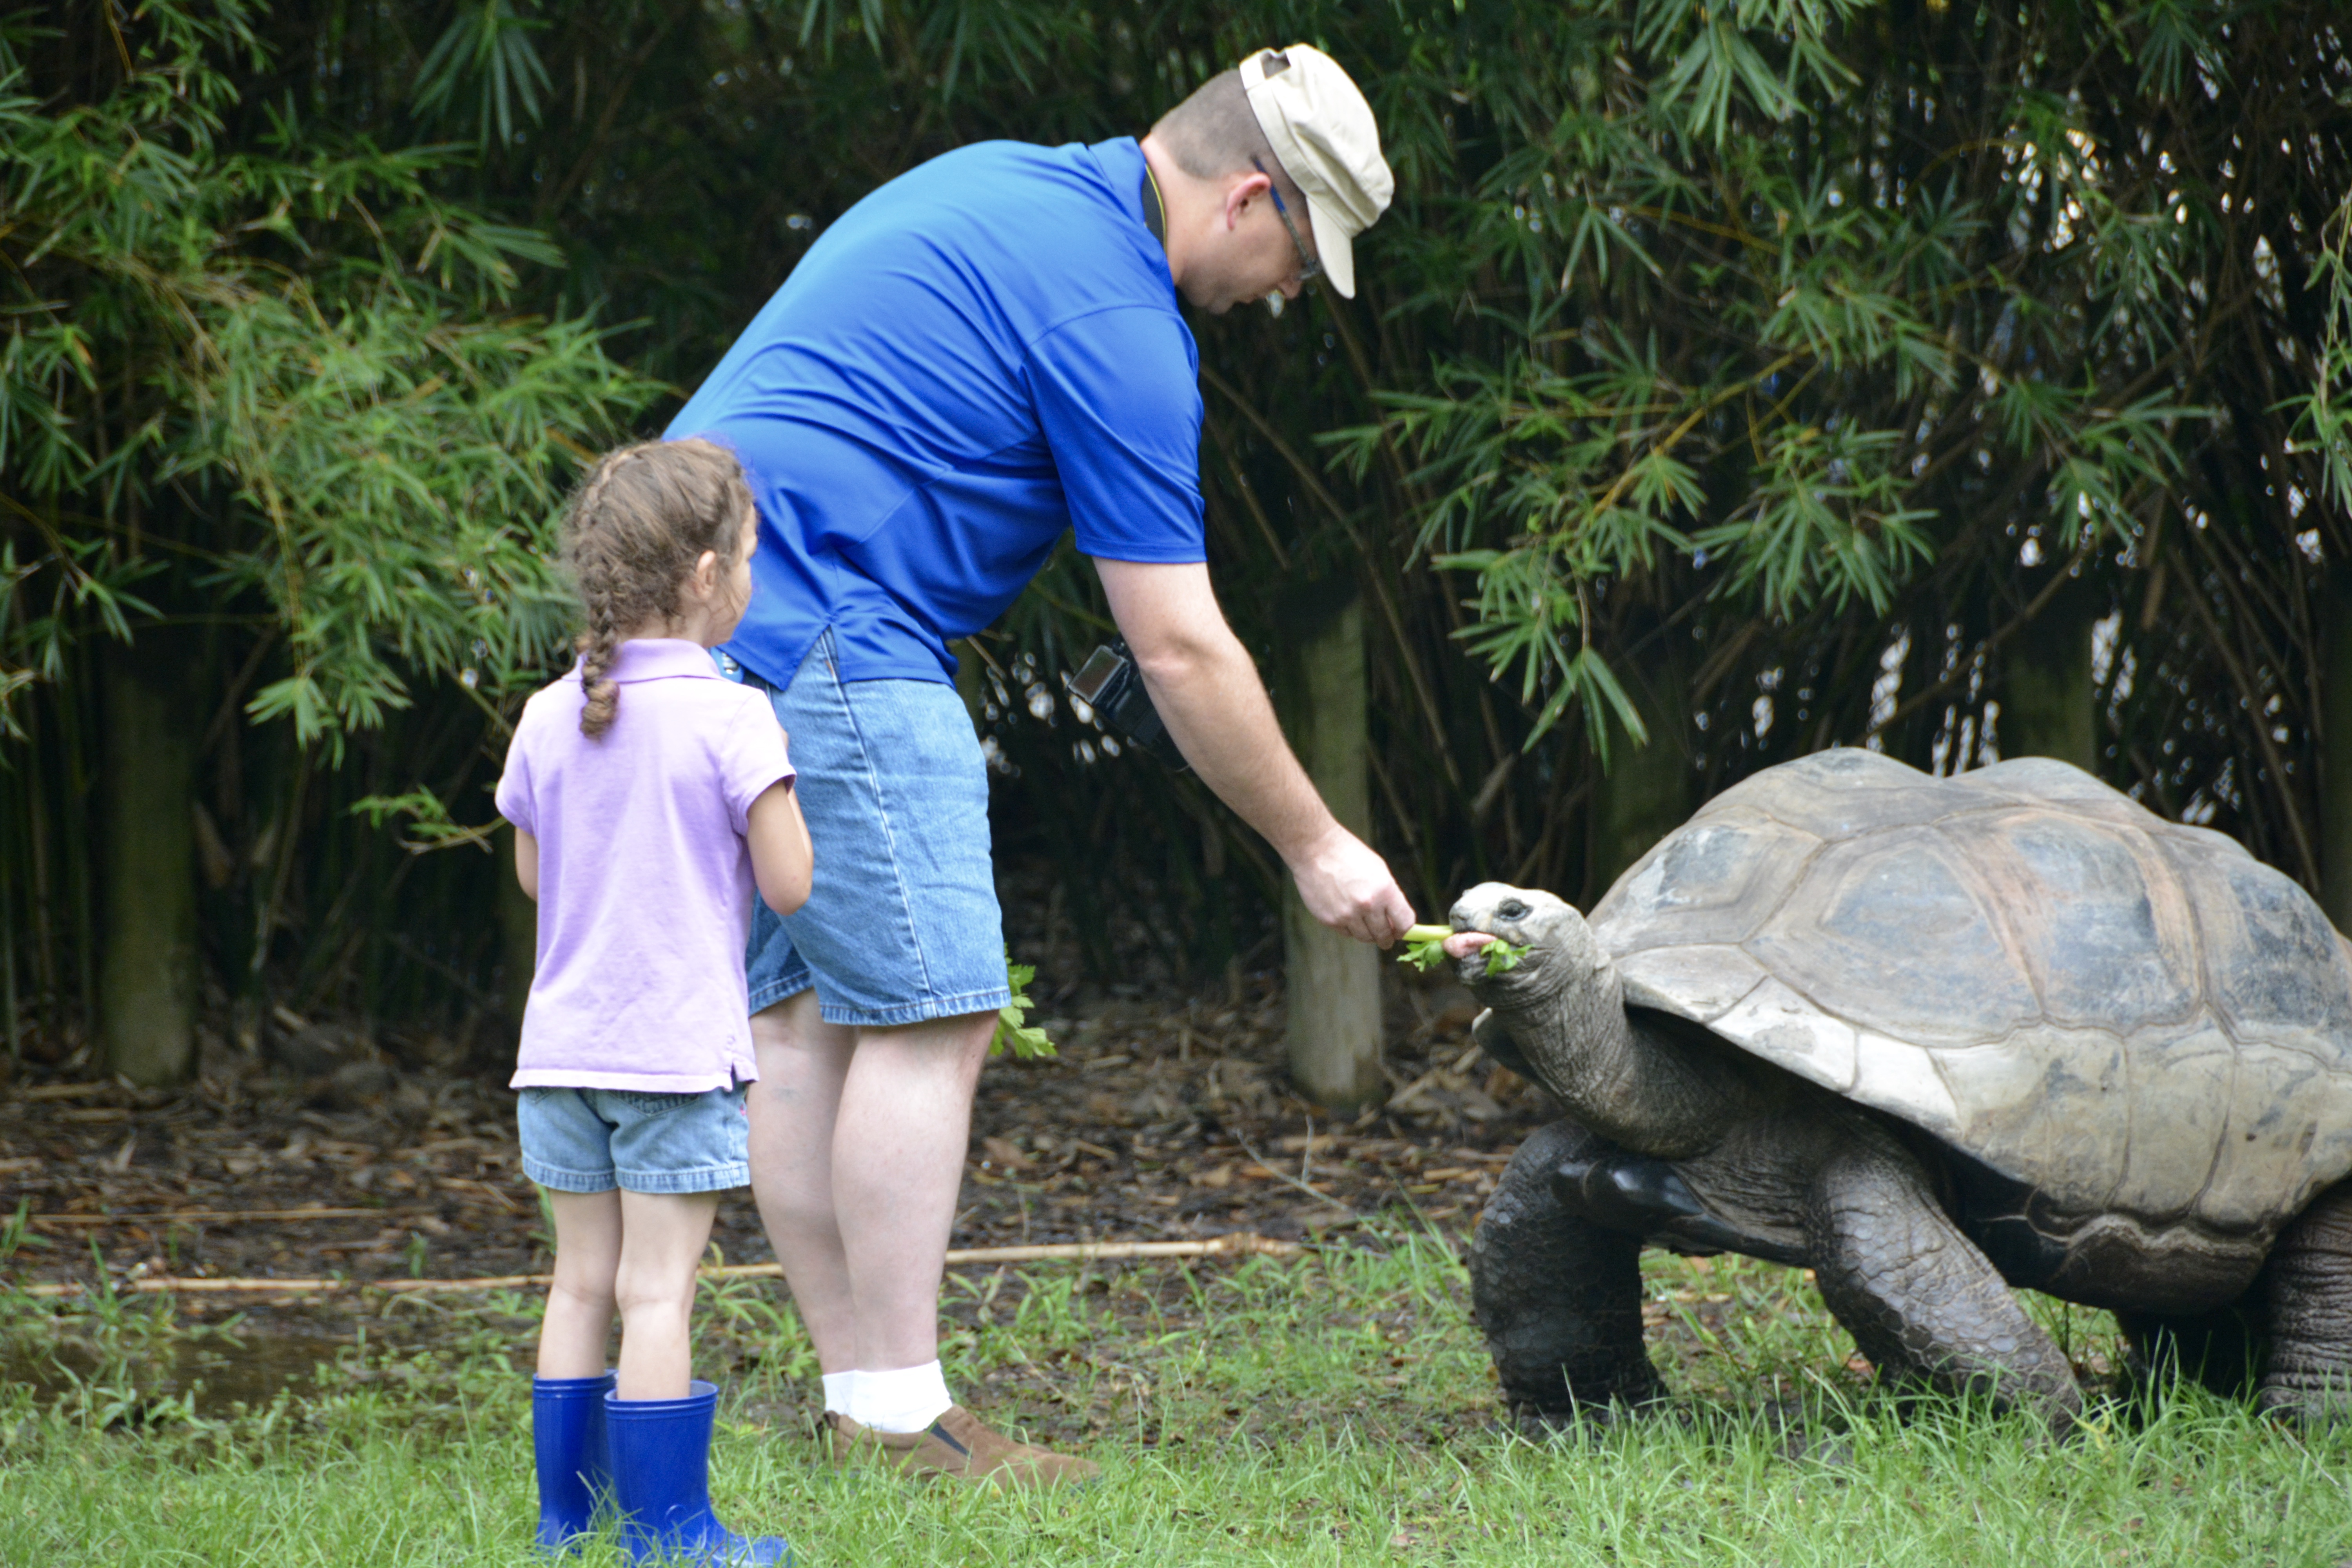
(1324, 1410)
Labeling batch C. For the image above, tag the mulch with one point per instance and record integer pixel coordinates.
(1164, 1117)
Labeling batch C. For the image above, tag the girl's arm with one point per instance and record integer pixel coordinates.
(527, 863)
(781, 857)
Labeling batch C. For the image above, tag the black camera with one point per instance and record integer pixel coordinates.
(1109, 683)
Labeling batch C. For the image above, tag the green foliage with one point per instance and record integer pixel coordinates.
(279, 377)
(407, 467)
(429, 821)
(2325, 412)
(1426, 953)
(17, 1232)
(489, 42)
(1336, 1409)
(1780, 276)
(1503, 956)
(1014, 1031)
(1762, 375)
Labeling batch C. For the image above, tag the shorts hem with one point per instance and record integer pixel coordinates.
(923, 1012)
(767, 997)
(556, 1179)
(709, 1179)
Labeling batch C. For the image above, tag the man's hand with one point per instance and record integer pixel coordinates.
(1348, 887)
(1208, 693)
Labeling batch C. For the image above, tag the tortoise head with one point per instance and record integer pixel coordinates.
(1562, 949)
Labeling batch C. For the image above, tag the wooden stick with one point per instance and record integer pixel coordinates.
(49, 1091)
(212, 1217)
(157, 1284)
(1242, 1244)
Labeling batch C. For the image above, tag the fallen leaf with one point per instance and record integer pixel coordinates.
(1004, 1152)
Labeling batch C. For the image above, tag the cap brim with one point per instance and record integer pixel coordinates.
(1333, 248)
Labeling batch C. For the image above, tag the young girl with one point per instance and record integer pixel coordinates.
(649, 796)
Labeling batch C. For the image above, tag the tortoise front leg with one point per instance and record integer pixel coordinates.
(1920, 1300)
(1558, 1297)
(2308, 1289)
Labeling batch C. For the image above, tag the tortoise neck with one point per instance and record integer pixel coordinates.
(1639, 1089)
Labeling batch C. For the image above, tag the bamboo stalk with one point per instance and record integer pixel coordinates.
(8, 965)
(1241, 1245)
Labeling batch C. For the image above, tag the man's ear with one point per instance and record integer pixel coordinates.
(1241, 192)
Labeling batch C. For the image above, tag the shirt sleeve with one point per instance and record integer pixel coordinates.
(513, 797)
(752, 757)
(1118, 396)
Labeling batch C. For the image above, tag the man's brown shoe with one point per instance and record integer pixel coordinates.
(836, 1435)
(958, 1446)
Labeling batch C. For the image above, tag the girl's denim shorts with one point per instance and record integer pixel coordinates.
(594, 1140)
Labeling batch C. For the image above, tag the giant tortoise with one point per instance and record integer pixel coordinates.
(1932, 1038)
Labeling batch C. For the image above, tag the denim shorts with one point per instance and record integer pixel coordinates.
(901, 923)
(594, 1140)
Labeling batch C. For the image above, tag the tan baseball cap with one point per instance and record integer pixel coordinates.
(1323, 131)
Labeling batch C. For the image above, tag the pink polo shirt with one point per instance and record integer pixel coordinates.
(645, 880)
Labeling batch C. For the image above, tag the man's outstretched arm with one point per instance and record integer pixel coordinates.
(1208, 692)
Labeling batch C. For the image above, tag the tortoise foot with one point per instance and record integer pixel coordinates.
(1588, 1418)
(1558, 1296)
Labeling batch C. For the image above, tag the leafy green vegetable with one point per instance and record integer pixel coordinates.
(1503, 955)
(1425, 946)
(1423, 955)
(1013, 1032)
(1425, 949)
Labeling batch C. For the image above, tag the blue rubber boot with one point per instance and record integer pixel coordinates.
(661, 1483)
(567, 1438)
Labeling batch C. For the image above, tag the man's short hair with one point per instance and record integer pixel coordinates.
(1215, 133)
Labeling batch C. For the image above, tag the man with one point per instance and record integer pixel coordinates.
(980, 353)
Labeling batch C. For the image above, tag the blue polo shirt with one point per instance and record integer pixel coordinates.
(980, 353)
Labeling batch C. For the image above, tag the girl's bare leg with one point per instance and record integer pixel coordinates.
(662, 1238)
(579, 1321)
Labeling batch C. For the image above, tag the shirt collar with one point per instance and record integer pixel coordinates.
(661, 658)
(1123, 163)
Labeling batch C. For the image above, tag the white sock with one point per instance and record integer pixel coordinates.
(906, 1400)
(841, 1392)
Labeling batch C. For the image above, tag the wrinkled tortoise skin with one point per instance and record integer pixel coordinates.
(2137, 1020)
(1935, 1037)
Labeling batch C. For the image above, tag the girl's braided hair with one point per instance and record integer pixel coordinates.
(630, 538)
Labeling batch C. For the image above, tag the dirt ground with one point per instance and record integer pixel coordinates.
(1164, 1117)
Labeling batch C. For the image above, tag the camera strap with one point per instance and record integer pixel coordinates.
(1155, 211)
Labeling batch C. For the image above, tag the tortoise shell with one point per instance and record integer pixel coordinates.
(2130, 1016)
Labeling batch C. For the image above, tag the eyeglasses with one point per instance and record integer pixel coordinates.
(1308, 265)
